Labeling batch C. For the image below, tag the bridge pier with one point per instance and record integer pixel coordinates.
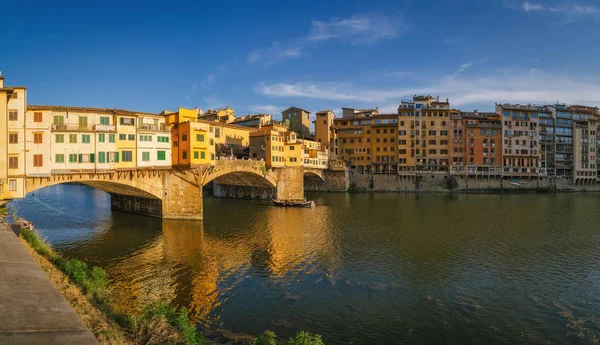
(290, 184)
(182, 195)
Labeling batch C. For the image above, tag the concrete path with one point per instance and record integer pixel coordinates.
(32, 311)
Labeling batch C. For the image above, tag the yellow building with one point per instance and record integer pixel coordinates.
(268, 144)
(192, 141)
(126, 143)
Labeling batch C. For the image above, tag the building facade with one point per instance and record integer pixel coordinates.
(297, 120)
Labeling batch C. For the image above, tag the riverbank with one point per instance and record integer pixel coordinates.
(85, 289)
(33, 311)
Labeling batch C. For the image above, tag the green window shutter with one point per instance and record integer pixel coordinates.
(121, 120)
(202, 154)
(117, 157)
(92, 156)
(80, 158)
(161, 155)
(101, 157)
(195, 154)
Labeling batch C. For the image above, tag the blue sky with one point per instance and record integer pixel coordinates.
(264, 57)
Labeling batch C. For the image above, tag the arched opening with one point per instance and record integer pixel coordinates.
(313, 182)
(242, 185)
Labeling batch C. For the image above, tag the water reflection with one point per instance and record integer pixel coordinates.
(362, 268)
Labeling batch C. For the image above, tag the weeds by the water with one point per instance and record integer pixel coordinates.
(160, 323)
(301, 338)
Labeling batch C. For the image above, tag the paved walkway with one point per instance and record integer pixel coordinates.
(32, 311)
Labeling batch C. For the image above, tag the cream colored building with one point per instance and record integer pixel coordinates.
(13, 102)
(584, 152)
(153, 142)
(314, 154)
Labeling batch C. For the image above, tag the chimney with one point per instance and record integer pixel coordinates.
(1, 80)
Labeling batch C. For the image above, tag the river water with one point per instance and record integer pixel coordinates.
(358, 268)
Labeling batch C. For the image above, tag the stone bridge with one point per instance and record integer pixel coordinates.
(176, 193)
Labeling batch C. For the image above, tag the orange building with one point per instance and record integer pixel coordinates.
(476, 147)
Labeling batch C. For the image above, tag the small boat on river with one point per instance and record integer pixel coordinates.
(288, 203)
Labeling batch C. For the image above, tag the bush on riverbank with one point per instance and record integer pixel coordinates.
(301, 338)
(160, 323)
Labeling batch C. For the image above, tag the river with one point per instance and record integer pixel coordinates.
(358, 268)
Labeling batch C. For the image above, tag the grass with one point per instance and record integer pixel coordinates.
(85, 288)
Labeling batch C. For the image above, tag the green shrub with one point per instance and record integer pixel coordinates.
(305, 338)
(159, 323)
(267, 338)
(92, 281)
(39, 245)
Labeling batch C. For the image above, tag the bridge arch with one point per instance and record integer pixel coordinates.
(240, 173)
(147, 185)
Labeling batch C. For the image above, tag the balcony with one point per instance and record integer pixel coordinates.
(147, 127)
(83, 128)
(72, 128)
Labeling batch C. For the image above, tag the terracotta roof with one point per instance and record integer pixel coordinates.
(323, 112)
(88, 110)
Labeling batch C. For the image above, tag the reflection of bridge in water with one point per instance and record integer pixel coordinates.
(195, 265)
(176, 193)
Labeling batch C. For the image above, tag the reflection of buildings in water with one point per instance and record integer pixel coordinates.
(186, 266)
(141, 279)
(302, 242)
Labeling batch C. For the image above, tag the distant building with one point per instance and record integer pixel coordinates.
(223, 115)
(297, 119)
(521, 149)
(585, 170)
(257, 120)
(325, 131)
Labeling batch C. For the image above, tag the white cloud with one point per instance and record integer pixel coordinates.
(569, 8)
(518, 86)
(364, 29)
(358, 29)
(268, 109)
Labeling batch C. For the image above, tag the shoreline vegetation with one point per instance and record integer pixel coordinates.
(85, 289)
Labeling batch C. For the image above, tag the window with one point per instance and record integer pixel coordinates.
(127, 156)
(104, 120)
(202, 155)
(37, 160)
(72, 138)
(37, 138)
(145, 156)
(184, 137)
(163, 139)
(111, 138)
(37, 117)
(183, 154)
(127, 121)
(13, 138)
(196, 155)
(13, 115)
(101, 137)
(292, 147)
(12, 185)
(122, 136)
(101, 157)
(59, 138)
(161, 155)
(13, 162)
(200, 137)
(145, 137)
(85, 138)
(83, 122)
(72, 158)
(59, 158)
(112, 157)
(58, 120)
(131, 137)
